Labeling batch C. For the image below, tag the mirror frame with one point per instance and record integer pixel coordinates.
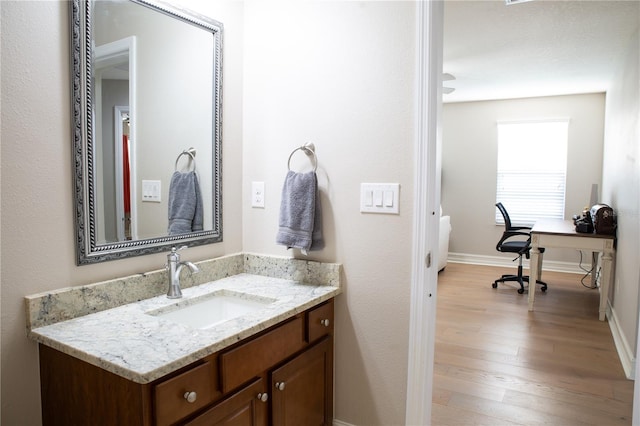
(88, 250)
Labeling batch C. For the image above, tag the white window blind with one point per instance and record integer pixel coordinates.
(532, 170)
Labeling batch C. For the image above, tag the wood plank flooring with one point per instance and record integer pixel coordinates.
(496, 363)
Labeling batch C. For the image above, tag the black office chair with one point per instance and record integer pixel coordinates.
(519, 246)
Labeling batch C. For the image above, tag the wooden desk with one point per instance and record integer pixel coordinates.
(561, 233)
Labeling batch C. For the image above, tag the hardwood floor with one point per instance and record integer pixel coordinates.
(498, 364)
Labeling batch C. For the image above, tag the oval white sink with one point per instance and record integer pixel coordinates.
(212, 309)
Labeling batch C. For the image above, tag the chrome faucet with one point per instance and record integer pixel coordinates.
(174, 266)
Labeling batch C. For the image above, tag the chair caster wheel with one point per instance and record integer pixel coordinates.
(494, 285)
(543, 289)
(520, 290)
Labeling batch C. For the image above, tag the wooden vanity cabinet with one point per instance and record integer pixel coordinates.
(75, 392)
(247, 407)
(280, 377)
(302, 388)
(249, 359)
(180, 396)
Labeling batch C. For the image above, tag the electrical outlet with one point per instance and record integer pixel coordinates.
(257, 194)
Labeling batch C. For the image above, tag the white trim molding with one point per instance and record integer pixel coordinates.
(426, 196)
(625, 353)
(507, 262)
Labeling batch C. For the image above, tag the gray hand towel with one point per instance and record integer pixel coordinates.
(300, 224)
(317, 241)
(185, 203)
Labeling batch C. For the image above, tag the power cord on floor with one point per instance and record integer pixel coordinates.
(589, 272)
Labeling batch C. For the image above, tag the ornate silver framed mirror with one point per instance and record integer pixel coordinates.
(147, 125)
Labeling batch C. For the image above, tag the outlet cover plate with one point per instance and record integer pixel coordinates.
(257, 194)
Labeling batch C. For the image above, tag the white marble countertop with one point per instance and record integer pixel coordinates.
(129, 342)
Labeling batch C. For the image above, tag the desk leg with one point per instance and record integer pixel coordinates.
(594, 267)
(607, 276)
(534, 270)
(540, 261)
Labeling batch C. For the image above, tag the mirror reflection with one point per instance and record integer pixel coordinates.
(152, 151)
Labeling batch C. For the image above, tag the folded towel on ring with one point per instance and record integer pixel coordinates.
(185, 203)
(300, 223)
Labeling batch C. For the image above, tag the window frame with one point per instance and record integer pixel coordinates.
(532, 205)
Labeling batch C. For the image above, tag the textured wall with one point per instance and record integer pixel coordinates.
(38, 244)
(621, 187)
(341, 75)
(469, 162)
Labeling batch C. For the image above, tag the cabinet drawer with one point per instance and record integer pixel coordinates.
(249, 360)
(320, 321)
(245, 407)
(169, 399)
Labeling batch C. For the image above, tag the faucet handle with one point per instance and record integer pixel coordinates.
(174, 256)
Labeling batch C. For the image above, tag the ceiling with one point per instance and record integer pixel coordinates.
(534, 48)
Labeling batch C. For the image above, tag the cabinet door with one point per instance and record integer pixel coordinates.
(302, 389)
(247, 407)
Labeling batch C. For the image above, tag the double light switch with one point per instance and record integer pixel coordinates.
(379, 198)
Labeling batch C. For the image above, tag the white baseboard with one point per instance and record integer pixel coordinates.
(505, 261)
(625, 353)
(341, 423)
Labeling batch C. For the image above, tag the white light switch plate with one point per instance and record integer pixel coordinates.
(151, 190)
(380, 198)
(257, 194)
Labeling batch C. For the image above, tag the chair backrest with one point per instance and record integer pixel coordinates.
(511, 231)
(505, 215)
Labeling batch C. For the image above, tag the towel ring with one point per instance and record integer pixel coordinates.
(310, 150)
(191, 152)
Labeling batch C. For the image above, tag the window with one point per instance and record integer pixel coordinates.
(532, 169)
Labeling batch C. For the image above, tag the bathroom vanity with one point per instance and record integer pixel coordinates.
(132, 365)
(282, 376)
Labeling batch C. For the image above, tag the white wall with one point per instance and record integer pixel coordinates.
(38, 244)
(621, 188)
(469, 163)
(337, 73)
(341, 74)
(173, 118)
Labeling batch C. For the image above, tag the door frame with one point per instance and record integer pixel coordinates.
(426, 219)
